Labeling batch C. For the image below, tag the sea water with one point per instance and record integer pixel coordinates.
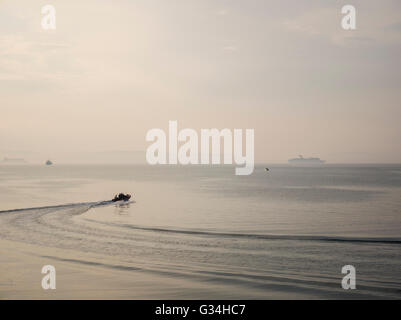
(208, 233)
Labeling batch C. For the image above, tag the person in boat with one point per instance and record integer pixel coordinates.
(121, 196)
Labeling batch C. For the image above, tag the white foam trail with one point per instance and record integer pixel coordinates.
(62, 206)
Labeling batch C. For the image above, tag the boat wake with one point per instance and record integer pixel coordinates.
(220, 258)
(89, 205)
(82, 207)
(385, 240)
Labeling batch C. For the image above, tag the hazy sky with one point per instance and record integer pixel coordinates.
(112, 70)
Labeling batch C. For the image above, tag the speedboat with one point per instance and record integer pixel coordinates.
(121, 197)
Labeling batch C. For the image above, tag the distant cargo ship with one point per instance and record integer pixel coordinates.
(306, 161)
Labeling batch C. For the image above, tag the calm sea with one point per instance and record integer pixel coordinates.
(283, 233)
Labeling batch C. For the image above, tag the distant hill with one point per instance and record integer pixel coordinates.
(13, 161)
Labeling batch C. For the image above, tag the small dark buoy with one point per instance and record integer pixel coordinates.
(267, 169)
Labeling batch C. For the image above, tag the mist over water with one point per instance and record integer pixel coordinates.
(282, 233)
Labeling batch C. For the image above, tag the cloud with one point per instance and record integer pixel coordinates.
(222, 12)
(374, 25)
(230, 48)
(23, 58)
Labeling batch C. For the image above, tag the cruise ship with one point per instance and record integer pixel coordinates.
(306, 161)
